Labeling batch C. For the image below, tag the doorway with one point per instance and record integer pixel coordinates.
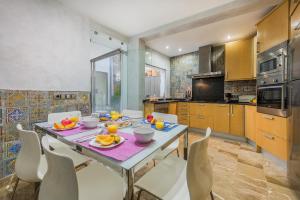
(106, 81)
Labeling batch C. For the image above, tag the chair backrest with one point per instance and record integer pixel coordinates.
(135, 114)
(166, 117)
(60, 181)
(199, 169)
(57, 117)
(29, 157)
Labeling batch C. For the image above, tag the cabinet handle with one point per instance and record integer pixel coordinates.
(269, 136)
(201, 117)
(222, 105)
(268, 117)
(231, 110)
(257, 47)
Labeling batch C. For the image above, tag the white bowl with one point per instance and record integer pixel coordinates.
(143, 134)
(90, 122)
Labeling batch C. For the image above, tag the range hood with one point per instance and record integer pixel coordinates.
(211, 62)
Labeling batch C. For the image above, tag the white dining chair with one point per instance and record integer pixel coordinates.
(134, 114)
(61, 147)
(31, 165)
(61, 182)
(174, 145)
(175, 179)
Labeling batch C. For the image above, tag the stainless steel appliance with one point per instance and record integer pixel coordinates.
(273, 99)
(272, 74)
(272, 65)
(294, 96)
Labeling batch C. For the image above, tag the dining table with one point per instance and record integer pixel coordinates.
(125, 166)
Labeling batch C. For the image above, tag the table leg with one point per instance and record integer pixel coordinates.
(186, 145)
(130, 182)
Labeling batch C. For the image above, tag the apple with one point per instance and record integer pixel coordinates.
(149, 118)
(66, 122)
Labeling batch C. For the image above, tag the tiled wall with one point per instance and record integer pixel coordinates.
(181, 66)
(240, 87)
(27, 108)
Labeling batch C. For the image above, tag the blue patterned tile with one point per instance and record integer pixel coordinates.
(15, 115)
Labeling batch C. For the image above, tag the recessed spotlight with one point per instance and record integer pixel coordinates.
(228, 37)
(167, 47)
(179, 49)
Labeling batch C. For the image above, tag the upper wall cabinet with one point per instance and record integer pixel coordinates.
(239, 60)
(274, 28)
(295, 22)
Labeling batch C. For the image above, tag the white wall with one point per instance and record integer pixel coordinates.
(44, 46)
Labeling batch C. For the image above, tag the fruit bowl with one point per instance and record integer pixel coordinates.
(143, 134)
(90, 122)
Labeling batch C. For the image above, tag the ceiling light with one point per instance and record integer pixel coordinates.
(228, 37)
(179, 49)
(167, 47)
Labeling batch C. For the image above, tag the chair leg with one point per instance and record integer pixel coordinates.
(177, 152)
(139, 194)
(154, 163)
(36, 190)
(211, 195)
(15, 188)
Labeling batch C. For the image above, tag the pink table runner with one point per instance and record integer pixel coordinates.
(121, 152)
(74, 131)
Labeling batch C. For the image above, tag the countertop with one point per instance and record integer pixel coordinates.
(170, 100)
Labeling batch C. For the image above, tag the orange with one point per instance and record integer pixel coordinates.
(112, 128)
(74, 119)
(58, 126)
(73, 124)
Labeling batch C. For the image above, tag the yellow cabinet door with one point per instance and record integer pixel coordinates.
(183, 113)
(295, 22)
(148, 109)
(221, 118)
(250, 122)
(274, 28)
(200, 115)
(237, 120)
(172, 108)
(239, 60)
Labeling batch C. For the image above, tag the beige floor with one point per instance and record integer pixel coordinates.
(239, 174)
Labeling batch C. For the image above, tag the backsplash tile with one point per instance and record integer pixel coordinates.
(240, 87)
(27, 108)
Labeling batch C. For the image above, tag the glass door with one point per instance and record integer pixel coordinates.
(106, 82)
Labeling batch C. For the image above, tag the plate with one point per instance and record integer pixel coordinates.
(65, 129)
(96, 144)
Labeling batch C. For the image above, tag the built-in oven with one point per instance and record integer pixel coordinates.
(273, 99)
(273, 61)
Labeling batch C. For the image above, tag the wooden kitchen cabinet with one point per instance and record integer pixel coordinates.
(239, 60)
(183, 113)
(295, 23)
(273, 29)
(237, 120)
(148, 109)
(173, 108)
(221, 118)
(273, 134)
(250, 122)
(201, 115)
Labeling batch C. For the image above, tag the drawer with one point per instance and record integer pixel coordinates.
(200, 108)
(200, 121)
(273, 125)
(183, 121)
(273, 144)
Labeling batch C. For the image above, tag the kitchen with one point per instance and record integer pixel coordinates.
(227, 71)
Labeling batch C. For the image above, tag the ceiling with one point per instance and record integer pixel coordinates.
(178, 24)
(132, 17)
(214, 33)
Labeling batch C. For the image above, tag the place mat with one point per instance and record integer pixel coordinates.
(165, 129)
(73, 131)
(121, 152)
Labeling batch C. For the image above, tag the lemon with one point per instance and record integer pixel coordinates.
(159, 125)
(115, 117)
(74, 119)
